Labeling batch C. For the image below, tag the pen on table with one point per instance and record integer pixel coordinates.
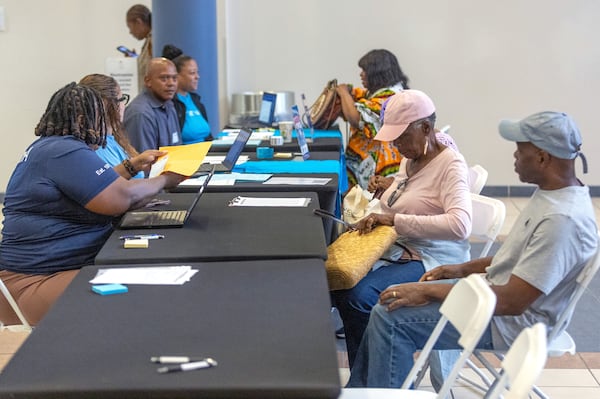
(175, 359)
(206, 363)
(142, 237)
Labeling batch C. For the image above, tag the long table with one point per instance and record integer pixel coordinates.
(327, 193)
(323, 140)
(266, 323)
(217, 232)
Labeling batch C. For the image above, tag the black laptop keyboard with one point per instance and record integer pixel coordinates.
(167, 217)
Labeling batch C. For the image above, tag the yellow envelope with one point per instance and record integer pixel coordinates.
(184, 159)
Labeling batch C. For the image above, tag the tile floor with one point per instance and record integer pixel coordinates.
(563, 378)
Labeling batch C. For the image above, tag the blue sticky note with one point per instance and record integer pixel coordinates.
(109, 289)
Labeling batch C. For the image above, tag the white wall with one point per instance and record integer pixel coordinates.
(480, 60)
(46, 45)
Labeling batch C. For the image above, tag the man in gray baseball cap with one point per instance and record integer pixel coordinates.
(553, 132)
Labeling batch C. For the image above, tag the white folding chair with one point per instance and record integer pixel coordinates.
(24, 326)
(488, 218)
(477, 178)
(522, 364)
(468, 307)
(559, 340)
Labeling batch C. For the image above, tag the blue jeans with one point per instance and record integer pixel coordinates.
(385, 356)
(356, 303)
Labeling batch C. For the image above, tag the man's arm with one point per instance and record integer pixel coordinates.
(514, 297)
(457, 271)
(413, 294)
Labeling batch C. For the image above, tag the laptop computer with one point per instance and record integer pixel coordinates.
(147, 219)
(232, 155)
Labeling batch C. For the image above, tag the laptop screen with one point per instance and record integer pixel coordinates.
(236, 148)
(267, 108)
(199, 193)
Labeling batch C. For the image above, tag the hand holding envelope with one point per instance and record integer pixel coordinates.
(181, 159)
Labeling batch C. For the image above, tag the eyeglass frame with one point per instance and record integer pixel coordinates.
(123, 98)
(397, 193)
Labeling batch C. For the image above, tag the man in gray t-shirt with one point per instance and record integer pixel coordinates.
(151, 120)
(533, 274)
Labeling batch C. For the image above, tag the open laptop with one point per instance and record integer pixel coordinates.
(232, 155)
(147, 219)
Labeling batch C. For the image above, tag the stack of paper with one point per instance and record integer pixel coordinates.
(161, 275)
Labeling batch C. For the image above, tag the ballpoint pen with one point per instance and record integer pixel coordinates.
(203, 364)
(142, 237)
(175, 359)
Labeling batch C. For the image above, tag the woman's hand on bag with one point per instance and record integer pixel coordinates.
(443, 272)
(401, 295)
(342, 89)
(367, 224)
(379, 183)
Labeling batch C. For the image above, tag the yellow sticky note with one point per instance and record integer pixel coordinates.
(282, 155)
(136, 243)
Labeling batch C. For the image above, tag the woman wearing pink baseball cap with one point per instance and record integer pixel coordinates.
(428, 203)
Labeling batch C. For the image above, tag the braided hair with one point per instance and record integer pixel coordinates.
(76, 111)
(108, 88)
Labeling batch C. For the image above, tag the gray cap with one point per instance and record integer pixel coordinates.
(553, 132)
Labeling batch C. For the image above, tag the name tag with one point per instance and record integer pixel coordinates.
(175, 137)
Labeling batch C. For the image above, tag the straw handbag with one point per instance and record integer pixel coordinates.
(351, 256)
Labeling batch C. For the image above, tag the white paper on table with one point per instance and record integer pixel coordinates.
(268, 201)
(255, 135)
(229, 141)
(318, 181)
(262, 135)
(213, 159)
(250, 176)
(217, 159)
(165, 275)
(218, 179)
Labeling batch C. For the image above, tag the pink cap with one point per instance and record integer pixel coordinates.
(400, 110)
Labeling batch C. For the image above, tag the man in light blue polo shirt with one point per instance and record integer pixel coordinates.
(151, 120)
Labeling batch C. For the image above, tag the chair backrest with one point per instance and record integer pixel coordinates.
(477, 178)
(583, 280)
(15, 307)
(522, 364)
(469, 308)
(488, 218)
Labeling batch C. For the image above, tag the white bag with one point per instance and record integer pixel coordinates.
(359, 203)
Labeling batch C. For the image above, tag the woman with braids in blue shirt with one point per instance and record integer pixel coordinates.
(61, 201)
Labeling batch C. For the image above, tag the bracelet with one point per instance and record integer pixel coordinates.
(129, 167)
